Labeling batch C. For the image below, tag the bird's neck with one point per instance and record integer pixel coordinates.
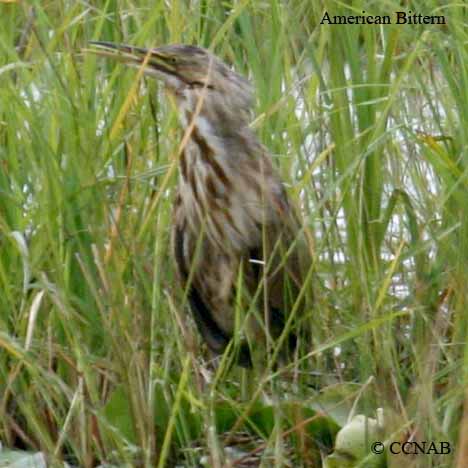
(225, 182)
(207, 179)
(213, 115)
(206, 156)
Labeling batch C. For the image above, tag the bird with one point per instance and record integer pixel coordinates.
(239, 245)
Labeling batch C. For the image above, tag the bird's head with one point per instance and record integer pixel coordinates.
(191, 74)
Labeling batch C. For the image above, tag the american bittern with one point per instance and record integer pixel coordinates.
(235, 235)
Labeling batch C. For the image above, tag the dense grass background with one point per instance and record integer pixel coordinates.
(369, 127)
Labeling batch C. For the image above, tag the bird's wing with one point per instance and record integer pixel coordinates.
(208, 280)
(274, 266)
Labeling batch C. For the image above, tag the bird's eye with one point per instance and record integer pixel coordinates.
(172, 60)
(199, 84)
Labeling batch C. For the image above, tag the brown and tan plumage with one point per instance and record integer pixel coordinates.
(235, 235)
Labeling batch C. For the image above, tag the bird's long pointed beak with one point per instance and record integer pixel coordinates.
(151, 59)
